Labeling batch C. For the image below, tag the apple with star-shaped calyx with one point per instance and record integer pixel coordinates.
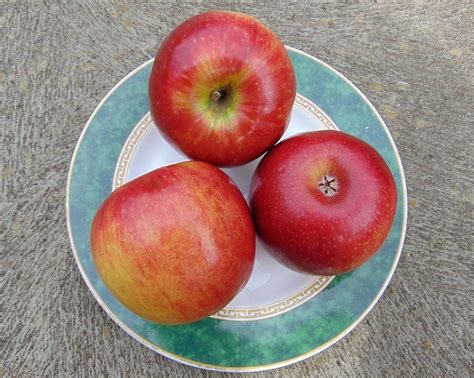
(323, 202)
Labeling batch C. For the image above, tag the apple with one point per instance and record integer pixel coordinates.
(221, 88)
(175, 245)
(323, 202)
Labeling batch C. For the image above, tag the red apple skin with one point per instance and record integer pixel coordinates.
(175, 245)
(235, 54)
(312, 231)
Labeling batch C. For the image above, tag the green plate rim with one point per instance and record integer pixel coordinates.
(278, 364)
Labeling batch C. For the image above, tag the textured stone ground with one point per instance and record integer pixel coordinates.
(413, 61)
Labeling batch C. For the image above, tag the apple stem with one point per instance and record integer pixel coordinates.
(217, 95)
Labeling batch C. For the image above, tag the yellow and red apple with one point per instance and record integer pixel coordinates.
(175, 245)
(323, 202)
(222, 88)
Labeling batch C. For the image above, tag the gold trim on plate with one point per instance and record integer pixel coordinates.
(121, 169)
(277, 308)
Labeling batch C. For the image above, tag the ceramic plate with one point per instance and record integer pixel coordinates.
(281, 316)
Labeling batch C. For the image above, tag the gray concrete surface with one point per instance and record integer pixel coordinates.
(413, 61)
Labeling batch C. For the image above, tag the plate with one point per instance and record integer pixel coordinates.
(281, 316)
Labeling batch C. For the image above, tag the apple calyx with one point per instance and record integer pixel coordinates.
(329, 186)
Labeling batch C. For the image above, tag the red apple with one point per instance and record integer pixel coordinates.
(222, 88)
(175, 245)
(323, 202)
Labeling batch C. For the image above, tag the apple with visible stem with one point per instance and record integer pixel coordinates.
(323, 202)
(175, 245)
(222, 88)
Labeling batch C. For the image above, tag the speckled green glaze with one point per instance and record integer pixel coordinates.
(222, 344)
